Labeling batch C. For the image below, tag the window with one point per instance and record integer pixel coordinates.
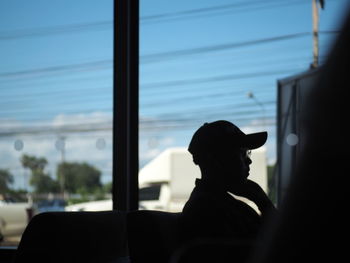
(199, 62)
(56, 84)
(213, 60)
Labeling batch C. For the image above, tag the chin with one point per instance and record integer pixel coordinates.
(245, 176)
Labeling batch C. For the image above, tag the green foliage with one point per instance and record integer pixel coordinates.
(79, 178)
(43, 183)
(101, 193)
(73, 201)
(33, 163)
(40, 180)
(107, 188)
(20, 195)
(6, 178)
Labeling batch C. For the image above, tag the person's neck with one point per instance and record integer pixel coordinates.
(213, 184)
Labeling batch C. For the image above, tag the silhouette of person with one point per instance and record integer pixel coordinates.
(222, 152)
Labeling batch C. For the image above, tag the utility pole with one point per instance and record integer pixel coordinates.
(60, 146)
(315, 24)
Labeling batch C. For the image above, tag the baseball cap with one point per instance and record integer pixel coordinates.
(220, 135)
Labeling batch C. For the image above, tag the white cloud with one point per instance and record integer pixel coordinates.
(10, 123)
(81, 118)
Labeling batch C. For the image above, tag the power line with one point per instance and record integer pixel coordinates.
(199, 10)
(193, 98)
(107, 24)
(216, 78)
(156, 18)
(241, 109)
(213, 48)
(103, 63)
(207, 12)
(60, 29)
(201, 111)
(144, 125)
(99, 64)
(143, 107)
(68, 88)
(107, 64)
(82, 93)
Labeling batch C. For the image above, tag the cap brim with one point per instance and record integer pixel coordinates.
(254, 140)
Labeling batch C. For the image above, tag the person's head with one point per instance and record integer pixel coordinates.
(222, 152)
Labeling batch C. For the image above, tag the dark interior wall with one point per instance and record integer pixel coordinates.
(312, 225)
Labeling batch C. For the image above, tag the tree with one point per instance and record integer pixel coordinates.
(40, 180)
(33, 163)
(79, 177)
(6, 178)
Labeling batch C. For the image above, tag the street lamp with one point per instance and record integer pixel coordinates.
(251, 96)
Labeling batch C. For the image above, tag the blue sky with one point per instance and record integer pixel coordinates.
(199, 59)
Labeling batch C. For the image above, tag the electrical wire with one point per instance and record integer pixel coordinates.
(156, 18)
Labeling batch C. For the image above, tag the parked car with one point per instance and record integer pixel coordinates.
(14, 217)
(100, 205)
(49, 205)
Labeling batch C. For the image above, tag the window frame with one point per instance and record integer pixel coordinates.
(125, 105)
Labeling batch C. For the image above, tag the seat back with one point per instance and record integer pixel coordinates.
(152, 235)
(214, 250)
(74, 237)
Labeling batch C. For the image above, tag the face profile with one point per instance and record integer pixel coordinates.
(222, 152)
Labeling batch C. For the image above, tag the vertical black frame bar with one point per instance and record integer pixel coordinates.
(281, 131)
(277, 170)
(126, 105)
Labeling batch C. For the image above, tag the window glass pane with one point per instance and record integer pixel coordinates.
(150, 192)
(202, 61)
(56, 108)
